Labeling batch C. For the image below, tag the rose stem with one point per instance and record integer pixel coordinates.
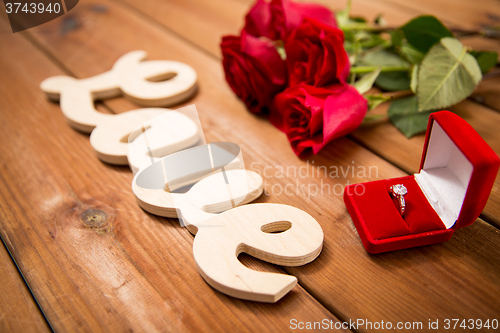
(384, 69)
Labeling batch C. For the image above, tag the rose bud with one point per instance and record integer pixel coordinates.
(316, 55)
(276, 19)
(253, 69)
(312, 116)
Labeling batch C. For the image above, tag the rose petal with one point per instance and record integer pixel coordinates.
(253, 69)
(278, 18)
(295, 11)
(287, 15)
(258, 19)
(342, 114)
(316, 55)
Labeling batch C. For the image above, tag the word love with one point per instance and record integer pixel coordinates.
(110, 134)
(154, 142)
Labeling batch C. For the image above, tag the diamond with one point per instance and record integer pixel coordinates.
(399, 189)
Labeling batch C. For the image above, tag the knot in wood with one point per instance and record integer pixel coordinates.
(94, 218)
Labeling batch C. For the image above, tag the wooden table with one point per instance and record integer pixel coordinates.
(139, 274)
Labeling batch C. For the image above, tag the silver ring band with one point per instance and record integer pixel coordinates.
(399, 191)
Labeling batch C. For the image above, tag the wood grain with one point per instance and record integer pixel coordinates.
(488, 93)
(18, 309)
(94, 260)
(456, 13)
(207, 19)
(223, 231)
(457, 279)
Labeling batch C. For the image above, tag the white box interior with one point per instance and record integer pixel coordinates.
(445, 176)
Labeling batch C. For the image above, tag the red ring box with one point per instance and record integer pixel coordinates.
(456, 174)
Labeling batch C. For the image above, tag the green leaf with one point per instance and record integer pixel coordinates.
(486, 59)
(383, 58)
(349, 47)
(397, 37)
(447, 75)
(342, 16)
(366, 82)
(414, 79)
(375, 100)
(424, 31)
(358, 19)
(349, 36)
(369, 40)
(412, 54)
(393, 81)
(376, 41)
(362, 35)
(404, 114)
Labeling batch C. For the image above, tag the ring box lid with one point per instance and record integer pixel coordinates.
(457, 170)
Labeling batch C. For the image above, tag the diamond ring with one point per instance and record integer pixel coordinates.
(399, 191)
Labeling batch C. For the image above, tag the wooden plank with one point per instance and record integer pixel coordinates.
(463, 14)
(452, 279)
(380, 139)
(480, 43)
(488, 93)
(18, 309)
(412, 285)
(206, 19)
(134, 272)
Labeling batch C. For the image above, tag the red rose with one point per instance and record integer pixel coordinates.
(253, 69)
(258, 21)
(288, 15)
(312, 116)
(317, 105)
(316, 55)
(278, 18)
